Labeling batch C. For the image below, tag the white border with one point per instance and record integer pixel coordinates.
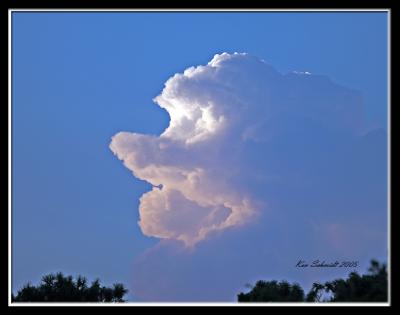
(199, 10)
(324, 304)
(389, 131)
(9, 158)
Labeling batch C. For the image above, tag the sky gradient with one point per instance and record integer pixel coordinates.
(80, 78)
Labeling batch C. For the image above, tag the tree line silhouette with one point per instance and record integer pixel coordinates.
(60, 288)
(371, 287)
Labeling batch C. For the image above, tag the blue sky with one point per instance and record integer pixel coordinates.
(79, 78)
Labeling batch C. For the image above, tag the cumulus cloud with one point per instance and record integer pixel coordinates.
(214, 110)
(256, 170)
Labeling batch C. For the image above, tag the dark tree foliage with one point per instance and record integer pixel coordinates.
(371, 287)
(60, 288)
(273, 291)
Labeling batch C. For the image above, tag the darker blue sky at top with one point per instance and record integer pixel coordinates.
(79, 78)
